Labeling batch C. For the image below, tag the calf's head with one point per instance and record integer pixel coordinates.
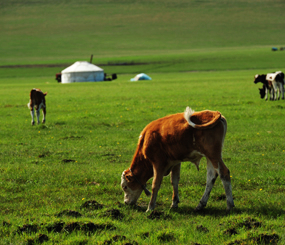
(257, 78)
(132, 189)
(262, 92)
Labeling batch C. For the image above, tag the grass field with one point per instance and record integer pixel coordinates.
(54, 32)
(49, 171)
(60, 182)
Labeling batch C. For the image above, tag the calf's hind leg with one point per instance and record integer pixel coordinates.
(226, 179)
(44, 114)
(211, 178)
(213, 169)
(281, 91)
(33, 116)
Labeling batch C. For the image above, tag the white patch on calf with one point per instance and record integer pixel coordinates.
(271, 76)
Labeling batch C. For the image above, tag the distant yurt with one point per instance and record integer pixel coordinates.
(82, 71)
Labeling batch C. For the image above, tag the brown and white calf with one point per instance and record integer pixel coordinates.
(38, 102)
(168, 141)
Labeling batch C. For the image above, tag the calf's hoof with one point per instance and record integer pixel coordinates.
(230, 206)
(174, 204)
(229, 211)
(200, 207)
(149, 209)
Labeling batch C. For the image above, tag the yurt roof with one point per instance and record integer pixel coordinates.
(81, 66)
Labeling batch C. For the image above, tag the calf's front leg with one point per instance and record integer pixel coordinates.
(266, 94)
(157, 180)
(33, 116)
(175, 177)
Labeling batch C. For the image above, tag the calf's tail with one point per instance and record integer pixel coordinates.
(187, 114)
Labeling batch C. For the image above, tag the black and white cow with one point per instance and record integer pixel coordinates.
(272, 83)
(38, 102)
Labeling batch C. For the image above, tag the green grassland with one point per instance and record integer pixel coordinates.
(54, 32)
(60, 182)
(89, 139)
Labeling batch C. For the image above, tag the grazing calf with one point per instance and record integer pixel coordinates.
(37, 101)
(262, 91)
(272, 83)
(168, 141)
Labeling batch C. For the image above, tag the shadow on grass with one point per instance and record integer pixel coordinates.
(211, 211)
(263, 209)
(266, 210)
(136, 208)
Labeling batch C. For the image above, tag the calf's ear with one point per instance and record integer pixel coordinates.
(129, 178)
(147, 192)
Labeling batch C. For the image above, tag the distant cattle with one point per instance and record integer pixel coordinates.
(58, 77)
(273, 83)
(38, 102)
(168, 141)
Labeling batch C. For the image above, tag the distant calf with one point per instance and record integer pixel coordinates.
(273, 83)
(38, 102)
(168, 141)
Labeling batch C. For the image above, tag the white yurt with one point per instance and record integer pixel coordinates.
(82, 71)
